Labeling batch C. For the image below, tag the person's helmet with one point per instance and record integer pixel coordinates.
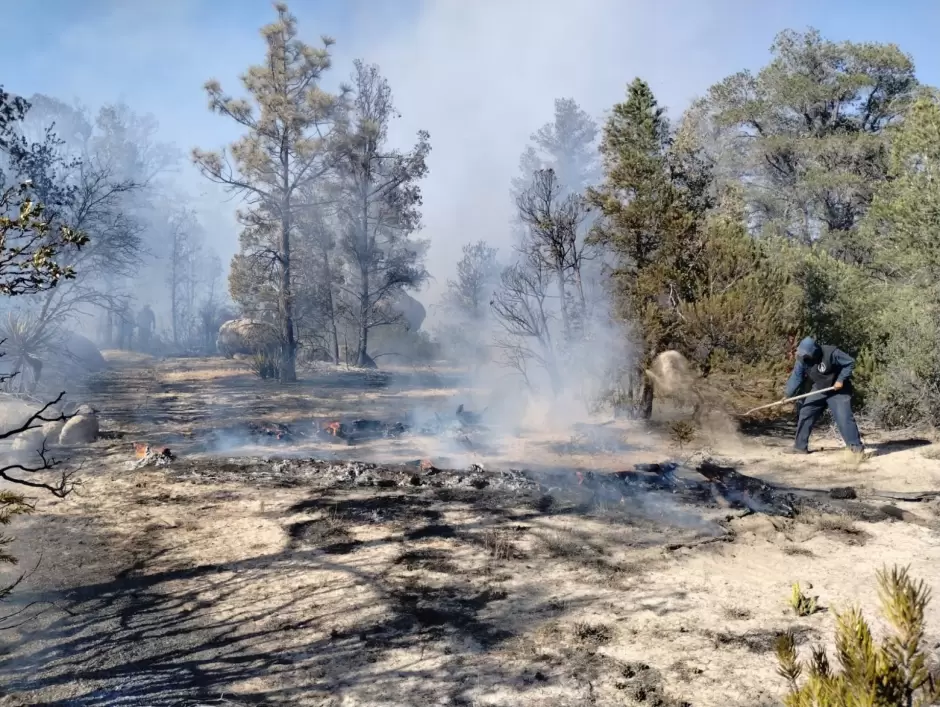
(809, 351)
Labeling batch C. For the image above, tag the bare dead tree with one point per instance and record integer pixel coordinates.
(477, 277)
(553, 222)
(522, 308)
(212, 309)
(98, 208)
(182, 277)
(320, 278)
(465, 304)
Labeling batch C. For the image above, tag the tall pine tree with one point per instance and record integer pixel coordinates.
(288, 122)
(647, 222)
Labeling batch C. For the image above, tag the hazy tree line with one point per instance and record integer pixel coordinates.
(105, 175)
(797, 200)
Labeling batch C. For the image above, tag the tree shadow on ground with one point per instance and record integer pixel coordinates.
(779, 427)
(898, 445)
(307, 622)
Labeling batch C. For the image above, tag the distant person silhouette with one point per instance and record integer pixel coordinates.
(146, 323)
(125, 327)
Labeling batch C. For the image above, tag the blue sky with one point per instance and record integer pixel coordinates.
(480, 75)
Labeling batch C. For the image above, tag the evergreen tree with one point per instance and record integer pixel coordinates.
(289, 120)
(688, 276)
(647, 222)
(809, 133)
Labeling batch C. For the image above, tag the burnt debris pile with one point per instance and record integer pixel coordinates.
(658, 489)
(466, 428)
(275, 431)
(358, 431)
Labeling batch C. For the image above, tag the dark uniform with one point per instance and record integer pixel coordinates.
(145, 326)
(825, 366)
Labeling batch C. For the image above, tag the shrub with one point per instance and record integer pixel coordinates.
(890, 673)
(266, 364)
(11, 505)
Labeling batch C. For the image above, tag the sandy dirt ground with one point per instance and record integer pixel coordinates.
(170, 586)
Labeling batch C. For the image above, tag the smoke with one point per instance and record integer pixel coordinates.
(480, 77)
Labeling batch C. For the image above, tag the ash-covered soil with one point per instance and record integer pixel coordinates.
(587, 567)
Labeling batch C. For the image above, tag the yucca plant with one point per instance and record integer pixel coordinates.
(890, 673)
(25, 340)
(802, 604)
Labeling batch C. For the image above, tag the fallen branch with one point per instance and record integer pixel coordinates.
(912, 497)
(65, 485)
(726, 538)
(60, 490)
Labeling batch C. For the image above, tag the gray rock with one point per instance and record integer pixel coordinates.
(82, 352)
(246, 337)
(29, 441)
(52, 431)
(81, 429)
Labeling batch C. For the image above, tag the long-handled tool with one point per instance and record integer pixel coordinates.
(790, 400)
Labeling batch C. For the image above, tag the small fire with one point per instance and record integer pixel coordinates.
(143, 449)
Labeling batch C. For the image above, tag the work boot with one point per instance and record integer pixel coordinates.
(795, 450)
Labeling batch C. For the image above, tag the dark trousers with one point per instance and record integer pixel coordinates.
(840, 405)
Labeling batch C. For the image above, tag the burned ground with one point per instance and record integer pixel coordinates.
(283, 571)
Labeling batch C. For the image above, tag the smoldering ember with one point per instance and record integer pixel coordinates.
(640, 410)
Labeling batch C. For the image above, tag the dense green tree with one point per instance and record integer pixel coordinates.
(903, 323)
(810, 134)
(648, 222)
(689, 276)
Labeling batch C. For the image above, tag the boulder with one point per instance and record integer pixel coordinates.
(82, 352)
(28, 443)
(52, 431)
(411, 310)
(81, 429)
(246, 337)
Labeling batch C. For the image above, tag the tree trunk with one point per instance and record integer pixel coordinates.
(365, 261)
(288, 371)
(328, 271)
(562, 294)
(362, 357)
(174, 285)
(109, 330)
(174, 315)
(637, 401)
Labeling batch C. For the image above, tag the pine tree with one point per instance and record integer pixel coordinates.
(288, 119)
(648, 222)
(378, 196)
